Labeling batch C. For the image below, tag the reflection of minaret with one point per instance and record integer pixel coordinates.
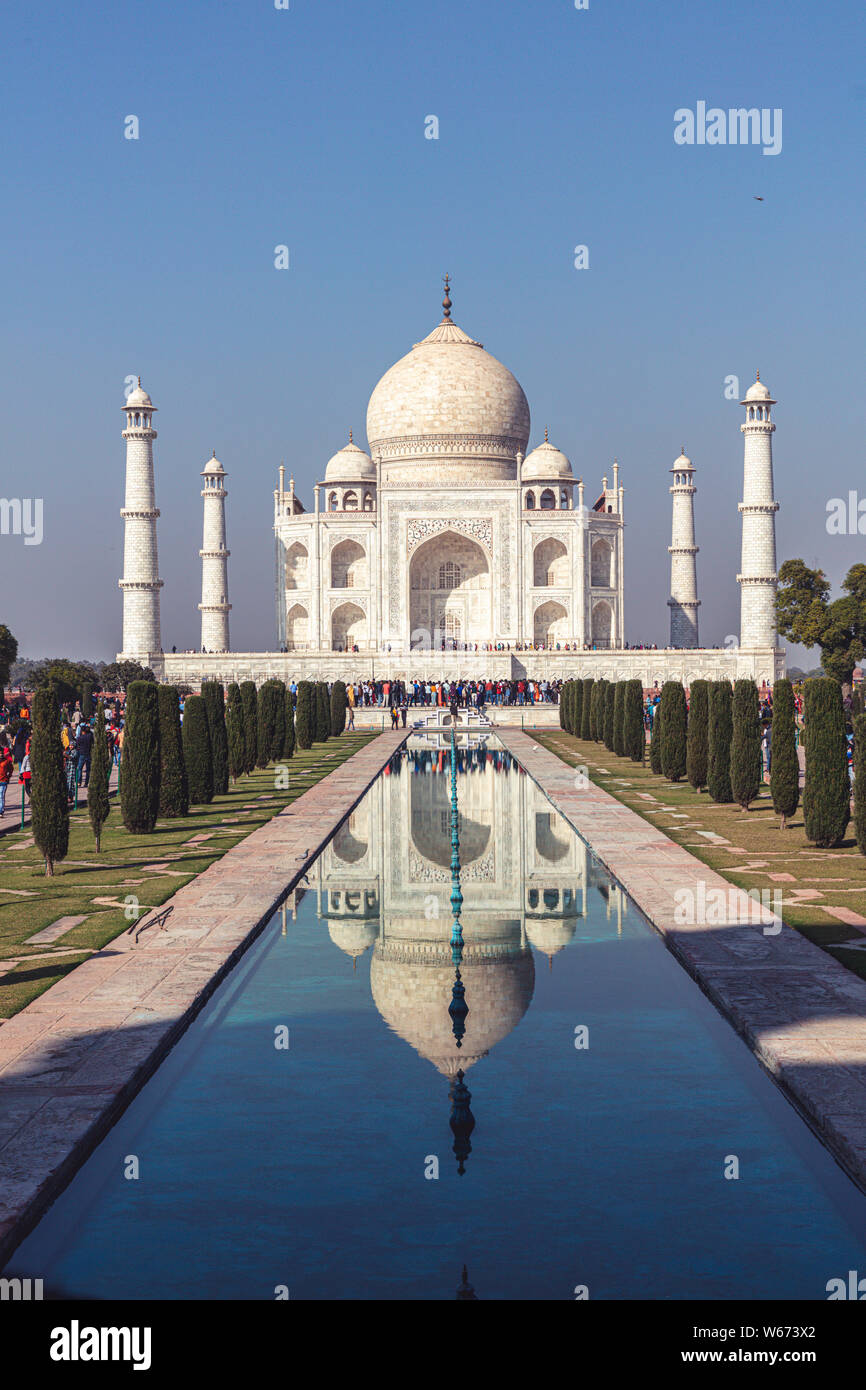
(466, 1293)
(683, 602)
(462, 1120)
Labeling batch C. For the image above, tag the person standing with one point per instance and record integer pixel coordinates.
(84, 743)
(6, 766)
(26, 773)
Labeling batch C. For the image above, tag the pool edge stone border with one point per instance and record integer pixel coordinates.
(61, 1095)
(802, 1014)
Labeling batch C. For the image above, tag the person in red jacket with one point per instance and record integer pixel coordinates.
(6, 766)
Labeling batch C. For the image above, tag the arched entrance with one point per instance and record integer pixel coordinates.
(550, 565)
(551, 623)
(348, 566)
(297, 627)
(602, 624)
(449, 592)
(348, 627)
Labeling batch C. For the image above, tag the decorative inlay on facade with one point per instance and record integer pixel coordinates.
(414, 445)
(478, 529)
(423, 871)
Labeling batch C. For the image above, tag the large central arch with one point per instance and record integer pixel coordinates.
(449, 592)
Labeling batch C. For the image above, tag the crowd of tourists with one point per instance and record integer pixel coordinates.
(466, 694)
(76, 736)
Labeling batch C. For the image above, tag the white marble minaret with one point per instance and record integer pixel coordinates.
(214, 604)
(683, 602)
(757, 578)
(141, 582)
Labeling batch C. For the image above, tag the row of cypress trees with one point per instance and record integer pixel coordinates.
(610, 712)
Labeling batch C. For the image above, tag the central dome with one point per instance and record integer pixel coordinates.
(448, 412)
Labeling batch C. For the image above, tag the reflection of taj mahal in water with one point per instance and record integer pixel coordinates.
(384, 884)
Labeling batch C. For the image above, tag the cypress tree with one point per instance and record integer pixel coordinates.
(563, 710)
(304, 716)
(784, 762)
(173, 789)
(338, 708)
(249, 702)
(596, 709)
(235, 732)
(586, 709)
(719, 743)
(279, 734)
(827, 793)
(674, 719)
(139, 781)
(215, 705)
(86, 700)
(289, 726)
(859, 774)
(197, 751)
(698, 734)
(49, 804)
(322, 713)
(266, 722)
(618, 718)
(633, 739)
(576, 707)
(609, 701)
(656, 741)
(745, 743)
(98, 800)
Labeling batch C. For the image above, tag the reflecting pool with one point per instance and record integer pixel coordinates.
(329, 1126)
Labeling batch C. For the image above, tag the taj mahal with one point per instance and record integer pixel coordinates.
(446, 548)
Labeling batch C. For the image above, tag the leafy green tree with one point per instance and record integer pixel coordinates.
(827, 792)
(859, 777)
(784, 762)
(86, 699)
(586, 708)
(197, 751)
(697, 737)
(745, 743)
(98, 798)
(66, 677)
(655, 754)
(139, 779)
(235, 732)
(719, 743)
(249, 700)
(633, 739)
(119, 675)
(806, 615)
(49, 805)
(674, 724)
(618, 718)
(322, 713)
(8, 656)
(289, 726)
(338, 708)
(173, 789)
(304, 728)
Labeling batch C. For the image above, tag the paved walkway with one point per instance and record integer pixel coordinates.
(802, 1013)
(73, 1059)
(11, 820)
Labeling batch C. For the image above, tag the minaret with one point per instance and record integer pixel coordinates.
(683, 602)
(214, 604)
(757, 578)
(141, 582)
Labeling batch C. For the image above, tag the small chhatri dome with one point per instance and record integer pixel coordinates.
(683, 461)
(213, 465)
(758, 392)
(545, 462)
(350, 465)
(137, 398)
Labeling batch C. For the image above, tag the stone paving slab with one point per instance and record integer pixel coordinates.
(801, 1012)
(71, 1061)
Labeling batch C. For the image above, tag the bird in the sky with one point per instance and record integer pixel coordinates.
(756, 198)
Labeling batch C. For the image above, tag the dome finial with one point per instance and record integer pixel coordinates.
(757, 376)
(546, 439)
(350, 437)
(139, 381)
(446, 302)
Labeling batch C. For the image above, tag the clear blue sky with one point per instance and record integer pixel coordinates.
(306, 127)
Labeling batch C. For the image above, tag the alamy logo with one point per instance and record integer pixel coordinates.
(855, 1288)
(718, 907)
(22, 516)
(736, 126)
(21, 1290)
(77, 1343)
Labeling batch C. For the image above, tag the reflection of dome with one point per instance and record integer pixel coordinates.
(545, 462)
(350, 465)
(412, 992)
(450, 399)
(347, 847)
(352, 937)
(549, 935)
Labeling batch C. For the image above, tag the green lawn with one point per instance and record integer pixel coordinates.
(149, 867)
(757, 853)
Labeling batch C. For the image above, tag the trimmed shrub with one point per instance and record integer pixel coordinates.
(289, 726)
(173, 789)
(609, 702)
(86, 701)
(784, 761)
(98, 799)
(214, 703)
(745, 743)
(656, 741)
(859, 774)
(586, 708)
(596, 710)
(633, 738)
(322, 713)
(674, 722)
(827, 792)
(235, 732)
(304, 716)
(697, 737)
(49, 805)
(338, 708)
(563, 707)
(197, 751)
(719, 743)
(618, 717)
(139, 777)
(266, 726)
(249, 701)
(576, 708)
(279, 736)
